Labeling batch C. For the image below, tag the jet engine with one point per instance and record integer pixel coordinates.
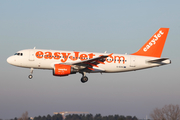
(63, 70)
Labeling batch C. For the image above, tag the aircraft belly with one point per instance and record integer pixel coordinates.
(114, 67)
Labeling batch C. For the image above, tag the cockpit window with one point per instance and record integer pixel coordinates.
(19, 54)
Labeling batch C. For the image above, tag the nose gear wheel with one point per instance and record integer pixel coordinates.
(30, 76)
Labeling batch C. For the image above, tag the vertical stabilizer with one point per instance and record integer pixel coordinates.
(154, 46)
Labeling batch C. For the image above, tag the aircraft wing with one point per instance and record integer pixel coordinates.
(89, 64)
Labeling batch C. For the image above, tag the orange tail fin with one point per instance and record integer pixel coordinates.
(154, 46)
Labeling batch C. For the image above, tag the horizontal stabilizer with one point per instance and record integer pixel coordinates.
(161, 60)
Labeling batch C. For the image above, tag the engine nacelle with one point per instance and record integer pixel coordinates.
(63, 70)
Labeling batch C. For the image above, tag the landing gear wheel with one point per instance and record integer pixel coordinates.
(31, 72)
(84, 79)
(30, 76)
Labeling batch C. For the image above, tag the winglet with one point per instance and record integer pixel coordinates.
(154, 46)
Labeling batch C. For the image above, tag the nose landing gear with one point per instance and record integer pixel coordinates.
(30, 76)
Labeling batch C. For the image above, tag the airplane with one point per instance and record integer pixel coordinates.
(64, 63)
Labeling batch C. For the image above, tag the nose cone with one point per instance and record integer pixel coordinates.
(10, 60)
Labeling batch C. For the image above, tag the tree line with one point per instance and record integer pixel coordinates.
(168, 112)
(99, 117)
(77, 117)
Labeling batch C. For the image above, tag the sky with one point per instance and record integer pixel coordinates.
(116, 26)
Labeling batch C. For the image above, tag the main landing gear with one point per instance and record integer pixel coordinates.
(30, 76)
(84, 78)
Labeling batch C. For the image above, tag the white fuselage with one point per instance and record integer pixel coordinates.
(46, 59)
